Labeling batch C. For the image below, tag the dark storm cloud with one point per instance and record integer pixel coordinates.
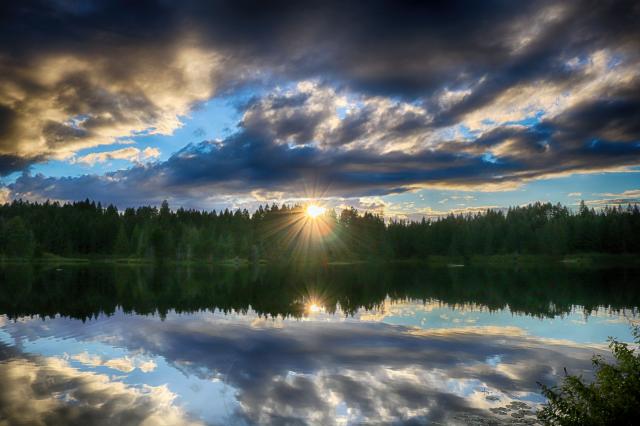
(310, 114)
(614, 119)
(79, 75)
(74, 76)
(577, 140)
(285, 117)
(415, 50)
(247, 162)
(7, 120)
(412, 49)
(592, 135)
(15, 163)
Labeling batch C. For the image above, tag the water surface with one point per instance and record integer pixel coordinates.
(290, 345)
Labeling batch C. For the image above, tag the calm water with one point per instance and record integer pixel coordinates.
(338, 345)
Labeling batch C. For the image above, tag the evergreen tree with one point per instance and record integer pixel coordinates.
(121, 246)
(18, 239)
(282, 232)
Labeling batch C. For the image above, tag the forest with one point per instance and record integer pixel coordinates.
(89, 229)
(86, 291)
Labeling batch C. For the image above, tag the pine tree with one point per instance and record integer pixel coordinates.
(18, 238)
(121, 246)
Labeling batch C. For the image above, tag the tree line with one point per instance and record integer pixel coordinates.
(87, 228)
(280, 290)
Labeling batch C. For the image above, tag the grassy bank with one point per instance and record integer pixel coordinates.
(50, 259)
(506, 260)
(577, 260)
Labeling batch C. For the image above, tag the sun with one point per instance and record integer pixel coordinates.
(314, 308)
(313, 210)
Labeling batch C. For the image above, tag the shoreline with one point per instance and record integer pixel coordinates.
(505, 260)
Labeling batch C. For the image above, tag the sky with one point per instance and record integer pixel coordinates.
(403, 108)
(364, 368)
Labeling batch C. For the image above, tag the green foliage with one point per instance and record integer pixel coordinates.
(121, 246)
(18, 238)
(283, 232)
(613, 398)
(84, 291)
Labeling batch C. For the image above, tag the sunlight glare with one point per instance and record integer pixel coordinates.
(313, 210)
(314, 308)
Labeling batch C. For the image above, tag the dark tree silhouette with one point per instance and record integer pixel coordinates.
(283, 232)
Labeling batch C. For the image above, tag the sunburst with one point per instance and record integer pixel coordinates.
(314, 210)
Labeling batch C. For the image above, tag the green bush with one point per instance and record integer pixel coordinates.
(613, 398)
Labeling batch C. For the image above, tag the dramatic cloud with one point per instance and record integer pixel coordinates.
(373, 98)
(266, 154)
(299, 373)
(46, 390)
(74, 78)
(317, 115)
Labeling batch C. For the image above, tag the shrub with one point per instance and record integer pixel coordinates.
(613, 398)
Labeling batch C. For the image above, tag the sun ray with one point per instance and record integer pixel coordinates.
(314, 210)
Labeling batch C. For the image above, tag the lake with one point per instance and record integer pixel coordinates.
(342, 344)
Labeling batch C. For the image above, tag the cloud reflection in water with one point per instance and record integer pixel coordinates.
(331, 372)
(47, 390)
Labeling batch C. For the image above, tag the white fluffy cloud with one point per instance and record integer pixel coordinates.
(132, 154)
(124, 364)
(47, 390)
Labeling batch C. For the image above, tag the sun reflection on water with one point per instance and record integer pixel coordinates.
(314, 308)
